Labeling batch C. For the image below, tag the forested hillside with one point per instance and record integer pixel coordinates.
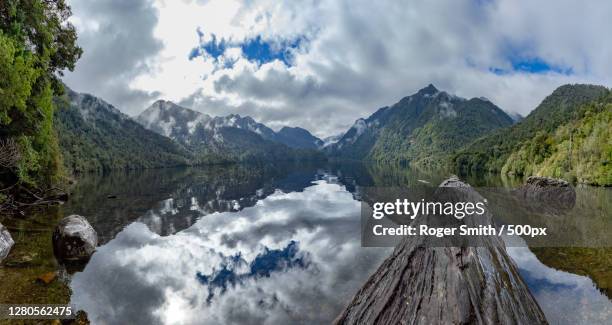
(572, 116)
(424, 129)
(95, 136)
(578, 150)
(434, 136)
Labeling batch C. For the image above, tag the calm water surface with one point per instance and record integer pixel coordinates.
(269, 245)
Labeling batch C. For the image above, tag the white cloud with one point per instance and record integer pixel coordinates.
(359, 55)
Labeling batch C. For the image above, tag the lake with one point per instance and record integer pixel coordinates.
(258, 245)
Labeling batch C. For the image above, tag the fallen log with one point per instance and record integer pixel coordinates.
(18, 199)
(421, 283)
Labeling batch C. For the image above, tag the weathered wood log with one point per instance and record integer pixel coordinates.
(421, 283)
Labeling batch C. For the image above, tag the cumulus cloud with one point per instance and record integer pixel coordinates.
(353, 57)
(118, 42)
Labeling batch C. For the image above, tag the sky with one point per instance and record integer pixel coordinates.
(322, 64)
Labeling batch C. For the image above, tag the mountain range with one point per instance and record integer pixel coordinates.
(95, 136)
(422, 129)
(192, 128)
(228, 138)
(567, 135)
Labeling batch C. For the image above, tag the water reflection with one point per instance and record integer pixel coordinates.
(246, 245)
(292, 258)
(564, 297)
(169, 200)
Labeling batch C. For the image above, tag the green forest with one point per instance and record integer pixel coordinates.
(110, 141)
(579, 150)
(430, 139)
(37, 43)
(566, 136)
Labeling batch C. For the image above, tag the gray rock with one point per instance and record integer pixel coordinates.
(6, 242)
(426, 283)
(545, 182)
(74, 239)
(548, 194)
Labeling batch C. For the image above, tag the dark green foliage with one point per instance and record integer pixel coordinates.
(578, 150)
(36, 44)
(429, 137)
(424, 129)
(42, 27)
(94, 137)
(491, 152)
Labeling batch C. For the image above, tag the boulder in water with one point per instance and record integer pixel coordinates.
(74, 239)
(6, 242)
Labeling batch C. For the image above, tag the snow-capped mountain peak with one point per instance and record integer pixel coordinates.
(171, 120)
(189, 127)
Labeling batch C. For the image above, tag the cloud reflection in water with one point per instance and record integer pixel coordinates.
(291, 255)
(292, 258)
(564, 297)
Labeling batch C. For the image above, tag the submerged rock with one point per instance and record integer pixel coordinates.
(74, 239)
(6, 242)
(550, 194)
(47, 278)
(423, 282)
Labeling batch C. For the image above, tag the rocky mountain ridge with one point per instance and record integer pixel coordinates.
(185, 125)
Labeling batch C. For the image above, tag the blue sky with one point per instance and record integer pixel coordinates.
(531, 65)
(254, 49)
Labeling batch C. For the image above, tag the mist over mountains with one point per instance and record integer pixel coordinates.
(190, 127)
(95, 136)
(430, 128)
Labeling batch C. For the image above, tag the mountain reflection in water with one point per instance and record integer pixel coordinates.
(235, 267)
(255, 245)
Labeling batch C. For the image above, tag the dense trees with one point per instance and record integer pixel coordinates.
(578, 150)
(422, 130)
(566, 136)
(36, 44)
